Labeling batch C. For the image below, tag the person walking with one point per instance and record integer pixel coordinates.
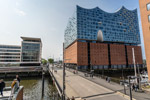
(18, 78)
(136, 87)
(109, 79)
(106, 78)
(133, 87)
(74, 71)
(2, 86)
(14, 86)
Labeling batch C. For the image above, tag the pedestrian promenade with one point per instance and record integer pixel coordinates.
(115, 87)
(80, 87)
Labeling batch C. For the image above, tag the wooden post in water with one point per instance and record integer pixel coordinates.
(43, 73)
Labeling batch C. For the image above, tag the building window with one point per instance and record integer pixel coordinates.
(148, 6)
(149, 18)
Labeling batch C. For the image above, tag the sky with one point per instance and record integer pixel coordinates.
(47, 19)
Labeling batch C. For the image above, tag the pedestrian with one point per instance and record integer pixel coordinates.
(106, 78)
(2, 86)
(109, 79)
(72, 98)
(14, 86)
(133, 87)
(74, 71)
(18, 78)
(136, 87)
(85, 74)
(92, 75)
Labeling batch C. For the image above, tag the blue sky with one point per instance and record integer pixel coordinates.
(47, 19)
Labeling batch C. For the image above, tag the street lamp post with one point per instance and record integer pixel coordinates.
(139, 78)
(63, 92)
(52, 64)
(64, 74)
(123, 81)
(64, 87)
(124, 86)
(103, 72)
(134, 63)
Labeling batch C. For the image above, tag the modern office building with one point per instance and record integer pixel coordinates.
(145, 18)
(31, 51)
(98, 39)
(28, 54)
(10, 54)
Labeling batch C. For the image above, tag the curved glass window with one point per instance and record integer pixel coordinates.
(148, 6)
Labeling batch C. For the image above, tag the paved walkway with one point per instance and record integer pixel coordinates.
(115, 87)
(82, 88)
(6, 94)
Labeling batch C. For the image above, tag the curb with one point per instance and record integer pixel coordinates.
(125, 96)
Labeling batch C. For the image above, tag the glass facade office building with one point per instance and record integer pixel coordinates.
(28, 54)
(98, 39)
(10, 54)
(31, 50)
(121, 26)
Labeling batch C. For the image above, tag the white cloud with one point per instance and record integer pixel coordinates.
(20, 12)
(17, 3)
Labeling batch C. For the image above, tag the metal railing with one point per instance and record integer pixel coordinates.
(56, 83)
(19, 69)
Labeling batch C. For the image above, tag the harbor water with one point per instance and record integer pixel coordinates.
(33, 88)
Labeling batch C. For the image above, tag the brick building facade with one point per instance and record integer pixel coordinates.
(145, 20)
(99, 55)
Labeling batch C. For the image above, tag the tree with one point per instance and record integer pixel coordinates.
(144, 62)
(60, 61)
(50, 60)
(44, 61)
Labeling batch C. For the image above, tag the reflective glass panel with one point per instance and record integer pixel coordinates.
(148, 6)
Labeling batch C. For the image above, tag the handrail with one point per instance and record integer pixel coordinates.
(16, 96)
(57, 84)
(19, 94)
